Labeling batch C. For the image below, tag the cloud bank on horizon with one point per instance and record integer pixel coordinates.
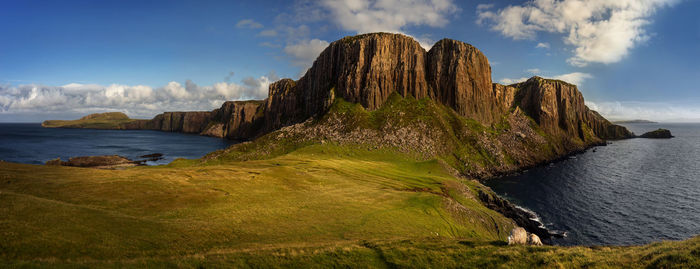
(139, 101)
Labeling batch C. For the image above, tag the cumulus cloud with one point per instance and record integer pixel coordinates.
(533, 70)
(508, 81)
(248, 23)
(305, 52)
(364, 16)
(137, 101)
(601, 31)
(542, 45)
(576, 78)
(663, 112)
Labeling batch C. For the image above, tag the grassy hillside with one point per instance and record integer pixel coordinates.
(321, 205)
(108, 120)
(316, 196)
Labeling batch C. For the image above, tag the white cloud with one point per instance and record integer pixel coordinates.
(248, 23)
(364, 16)
(601, 31)
(542, 45)
(508, 81)
(305, 52)
(484, 6)
(575, 78)
(268, 33)
(664, 112)
(533, 70)
(137, 101)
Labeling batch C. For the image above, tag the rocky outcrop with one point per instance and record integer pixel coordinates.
(101, 162)
(559, 110)
(459, 76)
(659, 133)
(238, 120)
(186, 122)
(367, 69)
(522, 218)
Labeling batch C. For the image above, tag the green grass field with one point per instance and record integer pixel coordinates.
(318, 206)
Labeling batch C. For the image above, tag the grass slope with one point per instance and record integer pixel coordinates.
(108, 120)
(316, 196)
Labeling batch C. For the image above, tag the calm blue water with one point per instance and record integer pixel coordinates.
(630, 192)
(30, 143)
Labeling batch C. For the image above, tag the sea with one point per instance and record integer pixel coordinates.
(30, 143)
(629, 192)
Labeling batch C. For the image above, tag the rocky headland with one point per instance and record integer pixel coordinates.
(659, 133)
(384, 90)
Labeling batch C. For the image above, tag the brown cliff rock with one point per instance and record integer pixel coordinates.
(367, 69)
(559, 109)
(236, 120)
(285, 105)
(460, 78)
(186, 122)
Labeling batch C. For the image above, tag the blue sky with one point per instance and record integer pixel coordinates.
(62, 59)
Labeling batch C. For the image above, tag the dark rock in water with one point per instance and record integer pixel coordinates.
(105, 162)
(660, 133)
(154, 155)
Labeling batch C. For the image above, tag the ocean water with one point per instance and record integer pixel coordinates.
(30, 143)
(630, 192)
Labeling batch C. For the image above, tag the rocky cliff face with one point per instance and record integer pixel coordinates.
(559, 109)
(460, 77)
(186, 122)
(368, 69)
(238, 120)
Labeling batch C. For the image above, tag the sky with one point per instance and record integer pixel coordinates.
(631, 59)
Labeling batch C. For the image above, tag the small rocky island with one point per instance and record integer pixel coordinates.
(659, 133)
